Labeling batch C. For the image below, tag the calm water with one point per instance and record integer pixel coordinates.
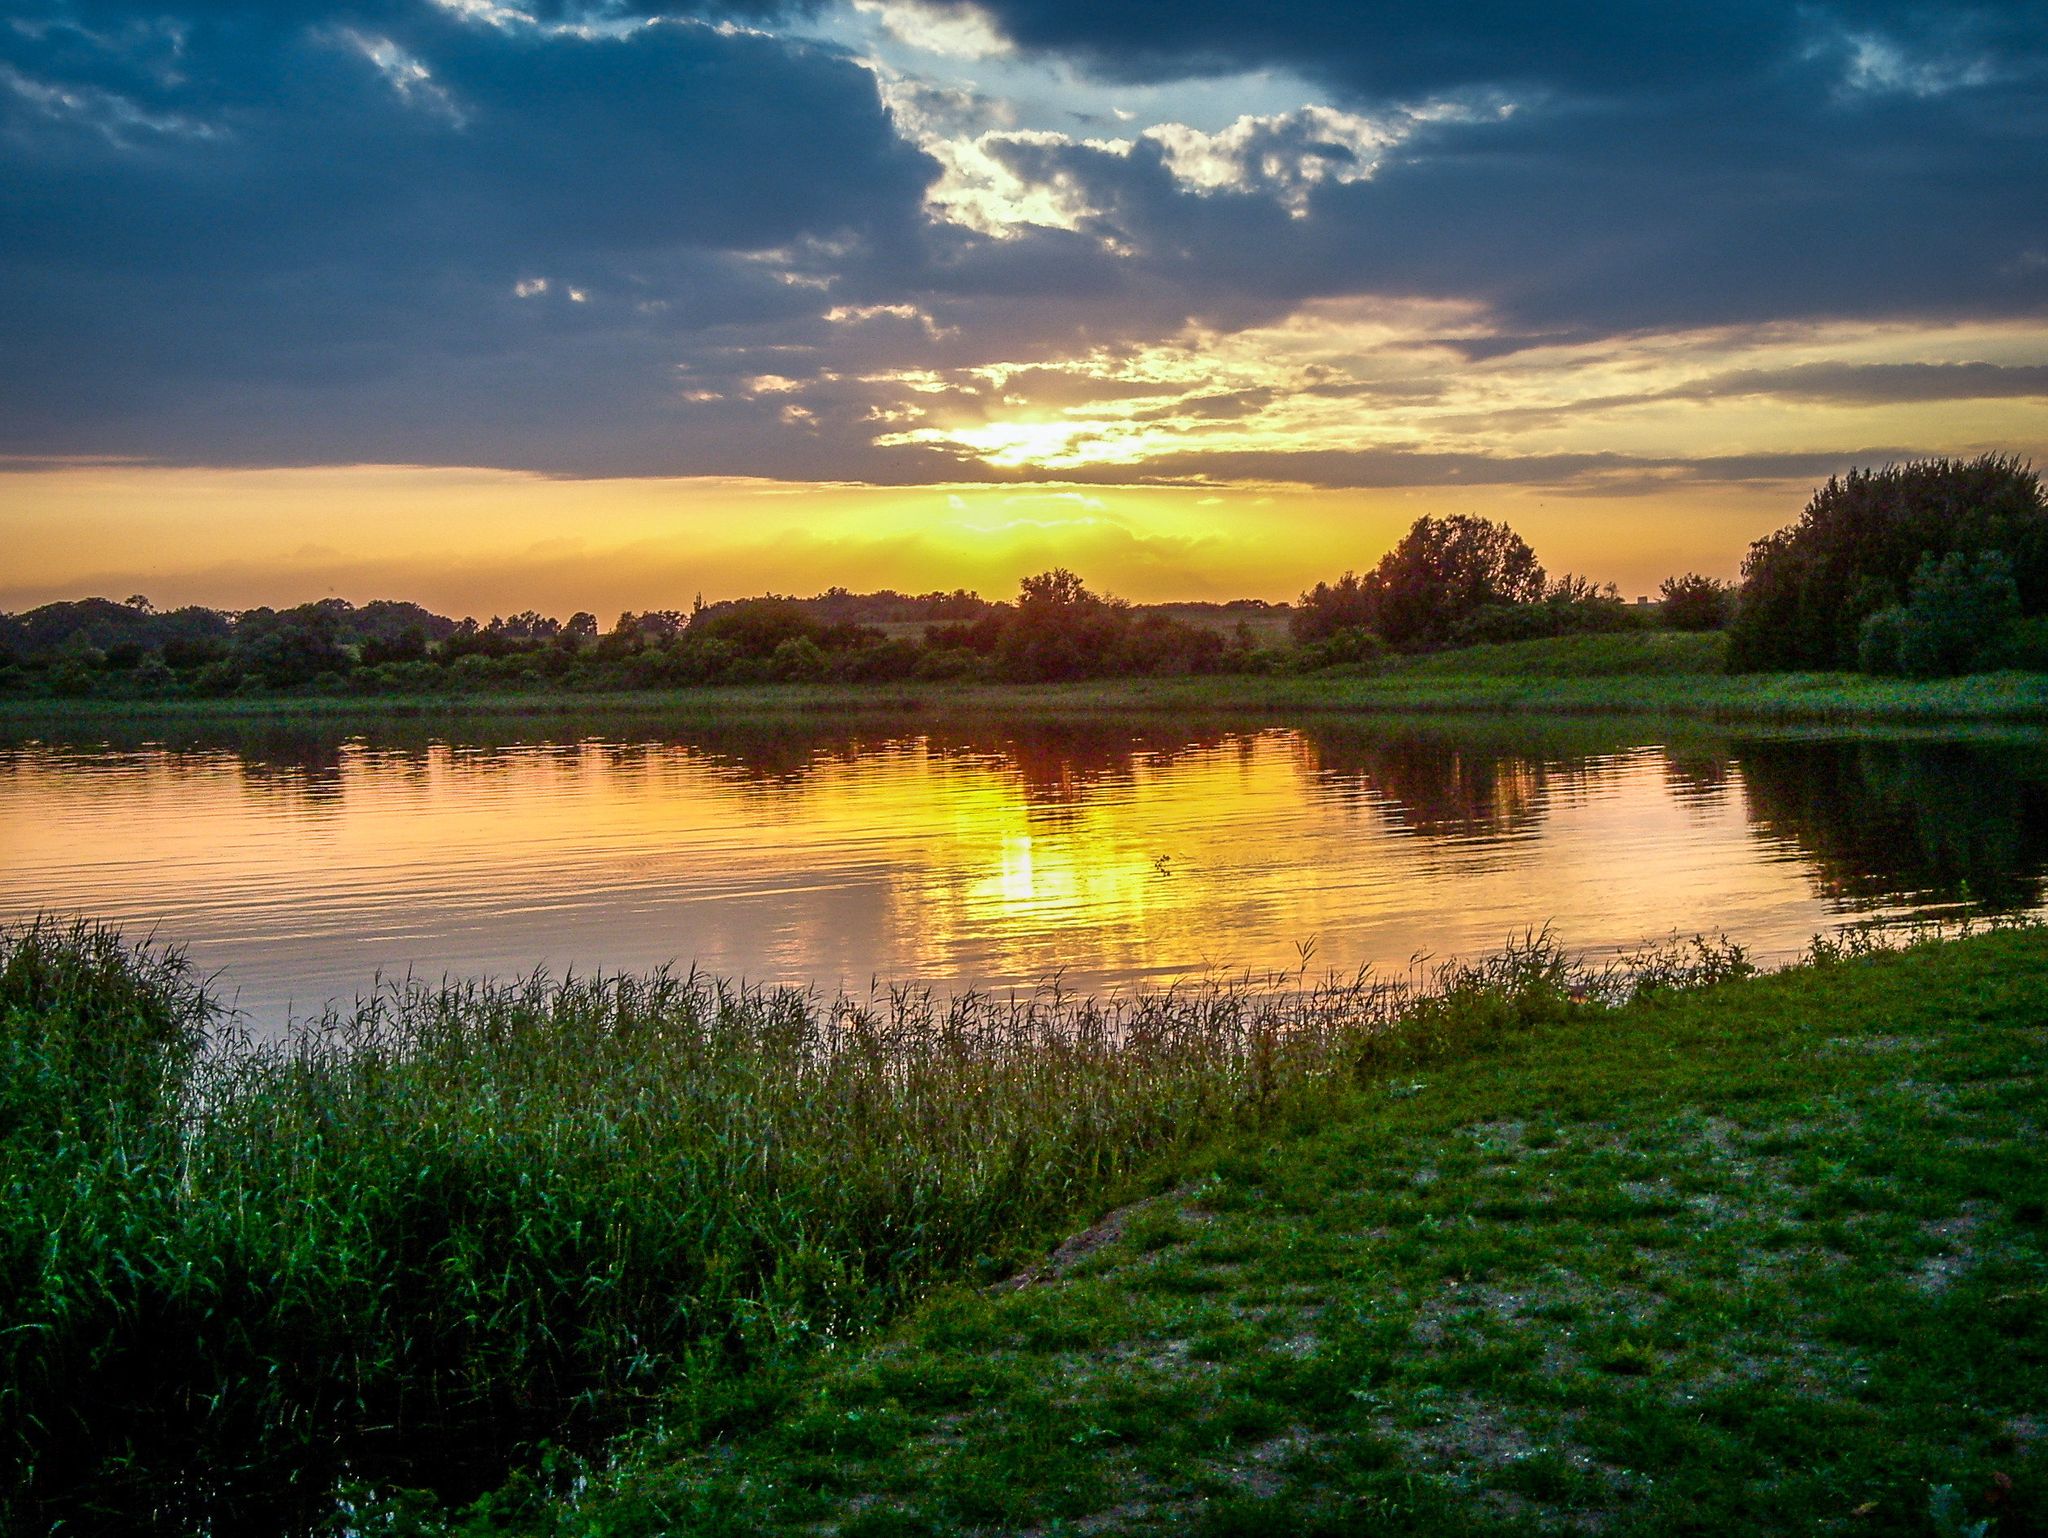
(302, 866)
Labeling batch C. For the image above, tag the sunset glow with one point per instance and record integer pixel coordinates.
(937, 294)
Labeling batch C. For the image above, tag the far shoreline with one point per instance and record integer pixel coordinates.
(1805, 699)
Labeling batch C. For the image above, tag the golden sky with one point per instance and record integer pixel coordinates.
(496, 305)
(1624, 460)
(486, 541)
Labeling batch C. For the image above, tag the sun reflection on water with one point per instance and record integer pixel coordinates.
(1110, 855)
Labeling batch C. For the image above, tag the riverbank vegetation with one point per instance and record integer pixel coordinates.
(1764, 1257)
(1625, 1240)
(1658, 676)
(425, 1234)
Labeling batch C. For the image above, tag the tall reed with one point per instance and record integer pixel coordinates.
(425, 1232)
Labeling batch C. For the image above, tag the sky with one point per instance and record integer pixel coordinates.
(505, 303)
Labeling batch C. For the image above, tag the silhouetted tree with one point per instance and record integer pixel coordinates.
(1059, 629)
(1694, 602)
(1808, 588)
(1959, 614)
(1445, 569)
(1349, 603)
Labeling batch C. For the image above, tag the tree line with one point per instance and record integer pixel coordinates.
(1055, 629)
(1924, 569)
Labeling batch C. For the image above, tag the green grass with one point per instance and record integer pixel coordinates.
(1649, 673)
(1763, 1258)
(413, 1241)
(1625, 654)
(1731, 1256)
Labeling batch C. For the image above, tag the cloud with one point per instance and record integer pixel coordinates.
(1857, 384)
(1641, 165)
(428, 232)
(566, 237)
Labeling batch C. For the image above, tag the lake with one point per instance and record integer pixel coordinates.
(303, 863)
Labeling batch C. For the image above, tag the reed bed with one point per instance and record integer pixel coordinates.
(428, 1232)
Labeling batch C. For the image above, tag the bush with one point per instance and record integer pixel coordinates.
(1344, 648)
(952, 663)
(755, 627)
(217, 678)
(72, 678)
(1496, 623)
(1960, 611)
(881, 662)
(1808, 588)
(1961, 617)
(1159, 645)
(1328, 607)
(1877, 644)
(1694, 602)
(2024, 647)
(798, 660)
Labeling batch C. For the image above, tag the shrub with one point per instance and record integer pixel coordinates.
(1160, 645)
(1877, 644)
(1960, 610)
(754, 627)
(2024, 646)
(952, 662)
(1344, 648)
(1808, 588)
(880, 662)
(798, 660)
(217, 678)
(72, 677)
(1694, 602)
(1328, 607)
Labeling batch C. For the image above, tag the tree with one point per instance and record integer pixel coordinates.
(1961, 610)
(1349, 603)
(293, 648)
(409, 645)
(1059, 629)
(1445, 569)
(1694, 602)
(1808, 588)
(755, 626)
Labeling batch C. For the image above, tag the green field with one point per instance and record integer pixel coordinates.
(1665, 1249)
(1763, 1258)
(1651, 673)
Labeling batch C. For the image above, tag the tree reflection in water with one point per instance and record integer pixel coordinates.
(1947, 821)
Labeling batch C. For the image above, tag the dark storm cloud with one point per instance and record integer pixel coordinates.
(336, 210)
(563, 237)
(1660, 167)
(1597, 48)
(1591, 475)
(1875, 384)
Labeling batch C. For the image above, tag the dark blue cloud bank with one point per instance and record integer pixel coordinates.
(603, 240)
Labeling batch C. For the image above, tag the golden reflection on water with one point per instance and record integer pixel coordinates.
(1110, 857)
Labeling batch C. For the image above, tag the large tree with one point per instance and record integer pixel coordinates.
(1442, 571)
(1808, 588)
(1060, 629)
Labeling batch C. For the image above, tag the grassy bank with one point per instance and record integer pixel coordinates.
(1730, 1256)
(1766, 1257)
(1652, 673)
(417, 1239)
